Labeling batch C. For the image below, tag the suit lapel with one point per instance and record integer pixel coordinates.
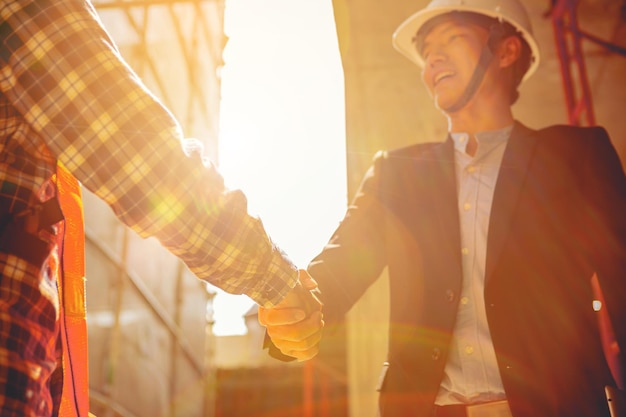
(447, 198)
(511, 178)
(442, 194)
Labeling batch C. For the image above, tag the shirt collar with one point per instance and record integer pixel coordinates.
(486, 139)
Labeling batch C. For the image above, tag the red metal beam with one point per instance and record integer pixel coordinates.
(568, 38)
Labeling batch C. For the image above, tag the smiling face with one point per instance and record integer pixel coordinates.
(451, 50)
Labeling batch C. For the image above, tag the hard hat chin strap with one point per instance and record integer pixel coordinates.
(496, 33)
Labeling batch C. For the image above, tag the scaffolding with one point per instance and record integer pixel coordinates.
(569, 39)
(199, 37)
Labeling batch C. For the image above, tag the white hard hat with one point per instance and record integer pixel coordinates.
(510, 11)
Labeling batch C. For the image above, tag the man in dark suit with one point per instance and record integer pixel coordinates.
(491, 239)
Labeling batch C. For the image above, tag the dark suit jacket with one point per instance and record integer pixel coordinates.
(558, 217)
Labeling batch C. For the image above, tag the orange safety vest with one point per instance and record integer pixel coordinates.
(71, 283)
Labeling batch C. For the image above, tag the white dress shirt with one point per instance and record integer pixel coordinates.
(471, 372)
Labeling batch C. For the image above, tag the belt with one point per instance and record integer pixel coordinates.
(491, 409)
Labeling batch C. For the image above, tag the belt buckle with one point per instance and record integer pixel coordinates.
(492, 409)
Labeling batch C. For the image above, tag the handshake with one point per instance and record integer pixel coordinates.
(295, 324)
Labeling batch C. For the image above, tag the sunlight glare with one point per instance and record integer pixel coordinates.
(282, 129)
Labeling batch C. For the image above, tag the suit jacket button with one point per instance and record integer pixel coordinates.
(436, 354)
(450, 296)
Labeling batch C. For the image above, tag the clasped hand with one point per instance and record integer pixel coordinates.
(295, 324)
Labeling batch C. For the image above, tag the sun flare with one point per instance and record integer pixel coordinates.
(282, 129)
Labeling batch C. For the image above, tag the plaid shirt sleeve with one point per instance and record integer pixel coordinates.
(62, 72)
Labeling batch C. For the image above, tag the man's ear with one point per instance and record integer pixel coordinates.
(509, 51)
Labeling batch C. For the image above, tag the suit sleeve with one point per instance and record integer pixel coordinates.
(355, 256)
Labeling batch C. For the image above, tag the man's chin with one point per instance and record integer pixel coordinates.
(446, 100)
(442, 104)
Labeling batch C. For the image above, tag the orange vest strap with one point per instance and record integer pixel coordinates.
(75, 399)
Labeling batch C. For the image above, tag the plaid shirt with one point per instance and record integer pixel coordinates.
(66, 94)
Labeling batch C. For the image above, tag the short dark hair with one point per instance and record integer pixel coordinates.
(505, 29)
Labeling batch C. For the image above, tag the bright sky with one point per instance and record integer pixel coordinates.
(282, 127)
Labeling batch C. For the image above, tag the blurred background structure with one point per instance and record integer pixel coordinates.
(147, 315)
(152, 345)
(162, 342)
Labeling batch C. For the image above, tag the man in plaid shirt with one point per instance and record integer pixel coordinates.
(67, 96)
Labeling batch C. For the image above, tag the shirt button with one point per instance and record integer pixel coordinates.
(471, 169)
(469, 349)
(436, 354)
(465, 251)
(467, 206)
(464, 300)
